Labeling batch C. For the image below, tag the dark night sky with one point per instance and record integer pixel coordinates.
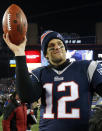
(78, 16)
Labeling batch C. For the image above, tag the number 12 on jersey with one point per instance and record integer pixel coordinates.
(61, 104)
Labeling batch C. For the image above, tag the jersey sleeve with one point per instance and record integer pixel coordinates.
(28, 86)
(95, 73)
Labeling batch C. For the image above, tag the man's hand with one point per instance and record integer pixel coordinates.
(18, 50)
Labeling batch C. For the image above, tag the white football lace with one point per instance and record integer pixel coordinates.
(9, 25)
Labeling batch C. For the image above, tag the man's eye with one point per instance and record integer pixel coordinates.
(59, 43)
(62, 46)
(50, 49)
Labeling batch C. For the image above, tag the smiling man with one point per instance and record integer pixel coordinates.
(56, 52)
(66, 88)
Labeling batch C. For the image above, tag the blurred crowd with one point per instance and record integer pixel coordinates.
(11, 105)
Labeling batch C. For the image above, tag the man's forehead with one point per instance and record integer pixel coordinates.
(55, 41)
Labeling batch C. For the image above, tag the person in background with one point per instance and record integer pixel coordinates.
(1, 106)
(31, 119)
(95, 122)
(36, 107)
(66, 88)
(15, 115)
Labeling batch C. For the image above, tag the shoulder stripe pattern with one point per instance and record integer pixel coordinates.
(91, 70)
(35, 76)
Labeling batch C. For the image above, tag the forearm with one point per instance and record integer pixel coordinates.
(28, 91)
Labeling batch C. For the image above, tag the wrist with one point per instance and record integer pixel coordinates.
(19, 53)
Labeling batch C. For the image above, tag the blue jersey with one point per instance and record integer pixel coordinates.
(67, 95)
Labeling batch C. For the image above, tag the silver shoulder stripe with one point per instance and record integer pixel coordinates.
(91, 70)
(35, 76)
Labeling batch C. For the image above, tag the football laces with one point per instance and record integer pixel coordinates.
(8, 20)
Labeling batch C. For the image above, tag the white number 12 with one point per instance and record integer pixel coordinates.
(61, 104)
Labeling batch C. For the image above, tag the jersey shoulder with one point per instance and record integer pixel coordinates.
(38, 71)
(82, 63)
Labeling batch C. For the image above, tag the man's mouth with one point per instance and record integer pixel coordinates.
(57, 52)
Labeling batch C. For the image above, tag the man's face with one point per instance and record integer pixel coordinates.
(56, 53)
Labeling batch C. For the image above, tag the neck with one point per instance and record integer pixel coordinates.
(58, 63)
(61, 66)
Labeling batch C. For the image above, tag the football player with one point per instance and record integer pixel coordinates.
(66, 88)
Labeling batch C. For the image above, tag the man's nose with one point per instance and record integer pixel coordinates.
(57, 46)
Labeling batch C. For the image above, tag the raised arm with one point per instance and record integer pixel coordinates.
(28, 91)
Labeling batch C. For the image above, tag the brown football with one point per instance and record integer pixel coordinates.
(14, 23)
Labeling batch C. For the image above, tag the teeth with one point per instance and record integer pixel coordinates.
(8, 20)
